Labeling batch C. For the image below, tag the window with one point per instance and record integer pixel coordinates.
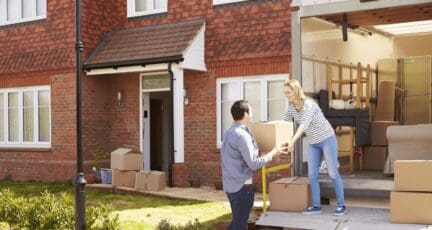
(220, 2)
(264, 94)
(16, 11)
(25, 117)
(146, 7)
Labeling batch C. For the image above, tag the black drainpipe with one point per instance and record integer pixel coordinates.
(171, 156)
(80, 181)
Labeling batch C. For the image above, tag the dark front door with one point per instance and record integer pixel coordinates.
(156, 134)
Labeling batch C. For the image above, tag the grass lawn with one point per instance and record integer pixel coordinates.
(137, 212)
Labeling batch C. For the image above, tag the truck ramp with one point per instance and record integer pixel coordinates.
(357, 218)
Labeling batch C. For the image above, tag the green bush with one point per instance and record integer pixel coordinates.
(166, 225)
(48, 211)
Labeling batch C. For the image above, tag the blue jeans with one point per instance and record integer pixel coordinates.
(241, 203)
(330, 149)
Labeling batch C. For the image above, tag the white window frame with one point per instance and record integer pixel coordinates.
(221, 2)
(132, 13)
(263, 79)
(33, 17)
(20, 143)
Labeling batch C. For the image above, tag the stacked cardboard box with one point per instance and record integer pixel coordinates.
(150, 181)
(411, 200)
(125, 164)
(374, 156)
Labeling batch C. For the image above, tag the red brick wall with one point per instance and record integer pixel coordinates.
(247, 38)
(40, 45)
(57, 163)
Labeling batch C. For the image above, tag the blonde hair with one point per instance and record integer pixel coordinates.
(295, 86)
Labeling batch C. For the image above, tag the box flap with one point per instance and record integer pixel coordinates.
(121, 151)
(291, 180)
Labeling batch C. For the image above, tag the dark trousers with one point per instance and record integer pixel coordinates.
(241, 203)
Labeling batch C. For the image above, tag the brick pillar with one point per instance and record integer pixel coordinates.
(180, 175)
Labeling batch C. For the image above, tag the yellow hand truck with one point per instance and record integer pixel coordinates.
(264, 171)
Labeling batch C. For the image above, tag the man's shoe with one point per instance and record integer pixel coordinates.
(340, 211)
(312, 210)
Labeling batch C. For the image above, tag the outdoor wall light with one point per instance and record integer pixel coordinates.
(119, 97)
(185, 97)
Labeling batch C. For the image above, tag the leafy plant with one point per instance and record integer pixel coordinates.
(48, 211)
(98, 156)
(166, 225)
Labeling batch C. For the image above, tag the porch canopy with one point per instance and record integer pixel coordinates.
(144, 49)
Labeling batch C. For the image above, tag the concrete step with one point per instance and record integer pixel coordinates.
(358, 187)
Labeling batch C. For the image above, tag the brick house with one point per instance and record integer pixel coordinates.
(159, 78)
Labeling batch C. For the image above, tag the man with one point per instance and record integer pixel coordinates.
(239, 157)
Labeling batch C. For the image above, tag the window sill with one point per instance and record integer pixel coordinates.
(30, 149)
(147, 16)
(235, 3)
(22, 23)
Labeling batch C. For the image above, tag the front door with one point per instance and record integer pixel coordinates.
(156, 135)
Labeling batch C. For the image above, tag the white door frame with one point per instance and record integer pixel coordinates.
(178, 112)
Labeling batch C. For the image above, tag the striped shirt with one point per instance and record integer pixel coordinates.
(311, 118)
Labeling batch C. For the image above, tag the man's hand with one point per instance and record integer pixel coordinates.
(283, 149)
(289, 145)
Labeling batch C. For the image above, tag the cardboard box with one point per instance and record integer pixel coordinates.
(413, 175)
(378, 132)
(374, 157)
(411, 207)
(126, 159)
(271, 134)
(123, 178)
(290, 194)
(345, 143)
(151, 181)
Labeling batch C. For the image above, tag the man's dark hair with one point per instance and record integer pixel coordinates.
(238, 109)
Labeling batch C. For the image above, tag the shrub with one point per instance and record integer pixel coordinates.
(166, 225)
(48, 211)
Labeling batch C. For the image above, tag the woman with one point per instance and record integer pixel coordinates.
(322, 141)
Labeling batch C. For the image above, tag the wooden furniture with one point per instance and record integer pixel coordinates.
(339, 75)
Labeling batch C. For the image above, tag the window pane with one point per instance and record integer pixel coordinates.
(28, 116)
(3, 11)
(2, 117)
(41, 7)
(44, 116)
(13, 116)
(276, 100)
(160, 4)
(275, 90)
(252, 94)
(13, 11)
(230, 91)
(156, 82)
(140, 5)
(43, 98)
(27, 7)
(226, 117)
